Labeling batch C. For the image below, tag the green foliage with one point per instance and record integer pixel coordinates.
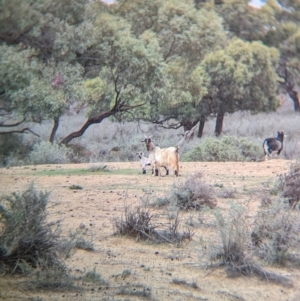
(47, 153)
(11, 149)
(241, 77)
(226, 148)
(27, 240)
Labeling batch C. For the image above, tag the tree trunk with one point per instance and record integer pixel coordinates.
(219, 124)
(201, 127)
(289, 83)
(188, 125)
(89, 122)
(294, 96)
(54, 130)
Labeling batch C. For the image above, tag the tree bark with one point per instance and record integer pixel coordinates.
(288, 84)
(219, 123)
(188, 124)
(294, 96)
(200, 129)
(54, 130)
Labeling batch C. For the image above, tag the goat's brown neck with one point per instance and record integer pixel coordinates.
(150, 146)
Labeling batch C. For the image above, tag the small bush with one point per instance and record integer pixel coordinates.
(226, 148)
(227, 193)
(194, 193)
(75, 187)
(12, 151)
(234, 250)
(93, 276)
(140, 224)
(290, 185)
(276, 233)
(97, 167)
(50, 279)
(81, 242)
(234, 238)
(27, 240)
(47, 153)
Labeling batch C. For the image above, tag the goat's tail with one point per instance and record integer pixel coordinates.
(177, 148)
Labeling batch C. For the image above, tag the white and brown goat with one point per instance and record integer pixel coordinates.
(162, 157)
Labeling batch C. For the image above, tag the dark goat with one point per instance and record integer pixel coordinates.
(274, 144)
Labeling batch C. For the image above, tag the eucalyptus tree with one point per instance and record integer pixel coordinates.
(276, 24)
(283, 33)
(124, 74)
(39, 74)
(65, 52)
(185, 36)
(241, 76)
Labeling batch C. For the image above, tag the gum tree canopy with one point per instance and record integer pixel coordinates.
(240, 77)
(57, 53)
(168, 62)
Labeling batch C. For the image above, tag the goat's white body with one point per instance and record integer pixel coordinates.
(164, 157)
(144, 161)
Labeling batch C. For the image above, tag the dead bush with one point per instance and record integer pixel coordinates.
(141, 225)
(276, 233)
(234, 250)
(194, 193)
(291, 185)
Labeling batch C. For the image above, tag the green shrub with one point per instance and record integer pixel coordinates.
(226, 148)
(12, 150)
(47, 153)
(27, 239)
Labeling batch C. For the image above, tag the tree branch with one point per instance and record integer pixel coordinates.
(25, 130)
(11, 125)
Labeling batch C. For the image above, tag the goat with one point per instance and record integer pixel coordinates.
(162, 157)
(166, 157)
(274, 144)
(144, 161)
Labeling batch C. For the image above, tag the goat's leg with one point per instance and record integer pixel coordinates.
(177, 170)
(167, 170)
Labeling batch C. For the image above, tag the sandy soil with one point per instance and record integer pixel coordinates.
(161, 271)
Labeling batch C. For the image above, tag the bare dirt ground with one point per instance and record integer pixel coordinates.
(164, 271)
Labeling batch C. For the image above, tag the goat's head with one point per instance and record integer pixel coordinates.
(280, 136)
(140, 154)
(149, 144)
